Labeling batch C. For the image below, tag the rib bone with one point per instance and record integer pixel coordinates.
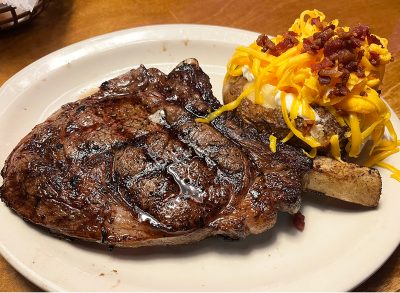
(344, 181)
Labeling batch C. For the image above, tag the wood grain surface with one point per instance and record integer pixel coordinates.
(68, 21)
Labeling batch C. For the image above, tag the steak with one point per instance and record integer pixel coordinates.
(130, 166)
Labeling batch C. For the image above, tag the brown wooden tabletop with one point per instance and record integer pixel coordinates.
(69, 21)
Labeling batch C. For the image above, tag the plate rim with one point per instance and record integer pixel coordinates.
(28, 273)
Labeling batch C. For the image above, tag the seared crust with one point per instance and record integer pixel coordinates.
(130, 166)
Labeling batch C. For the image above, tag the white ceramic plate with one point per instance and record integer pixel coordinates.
(339, 248)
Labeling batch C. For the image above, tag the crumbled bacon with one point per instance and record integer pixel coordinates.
(318, 40)
(340, 90)
(360, 54)
(345, 56)
(264, 42)
(288, 42)
(342, 34)
(342, 52)
(374, 58)
(324, 80)
(326, 74)
(331, 72)
(325, 63)
(332, 47)
(373, 40)
(360, 31)
(317, 22)
(298, 221)
(360, 71)
(352, 66)
(341, 49)
(309, 46)
(345, 76)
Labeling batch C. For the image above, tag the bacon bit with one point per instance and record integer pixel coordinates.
(288, 42)
(345, 76)
(323, 36)
(374, 40)
(325, 63)
(345, 57)
(317, 41)
(360, 31)
(331, 72)
(332, 47)
(324, 80)
(340, 90)
(264, 42)
(360, 55)
(352, 66)
(360, 71)
(374, 58)
(298, 221)
(317, 22)
(340, 50)
(342, 34)
(309, 46)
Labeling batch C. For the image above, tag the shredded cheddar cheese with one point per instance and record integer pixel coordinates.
(311, 154)
(335, 147)
(292, 71)
(228, 107)
(272, 143)
(395, 171)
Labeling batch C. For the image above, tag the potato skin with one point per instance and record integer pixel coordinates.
(266, 120)
(345, 181)
(270, 120)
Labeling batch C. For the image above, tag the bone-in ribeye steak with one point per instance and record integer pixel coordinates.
(130, 166)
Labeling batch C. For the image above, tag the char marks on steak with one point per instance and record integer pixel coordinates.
(130, 166)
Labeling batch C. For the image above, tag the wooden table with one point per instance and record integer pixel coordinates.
(69, 21)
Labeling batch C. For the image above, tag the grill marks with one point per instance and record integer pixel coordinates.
(129, 166)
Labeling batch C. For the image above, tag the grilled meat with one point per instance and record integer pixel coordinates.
(130, 166)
